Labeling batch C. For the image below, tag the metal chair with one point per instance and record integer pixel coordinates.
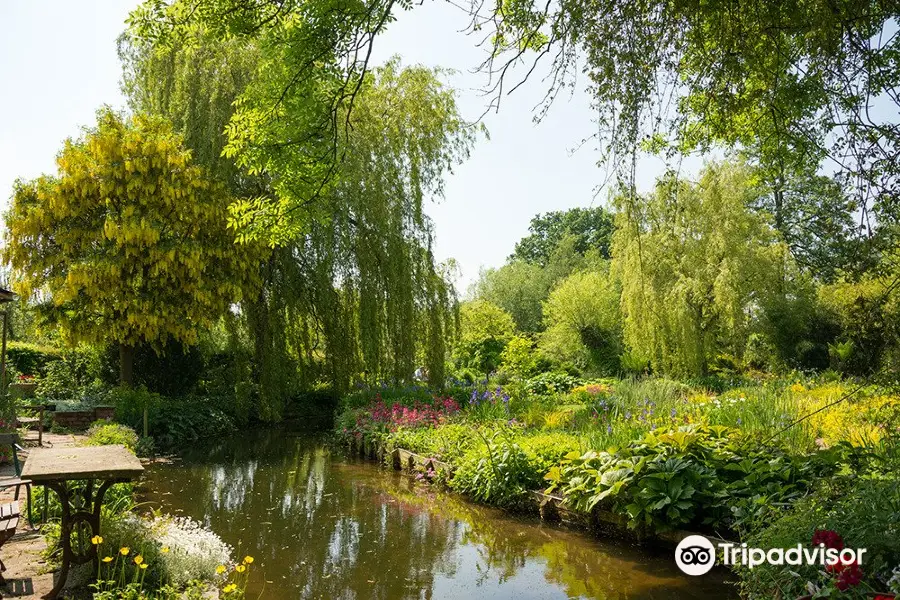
(12, 440)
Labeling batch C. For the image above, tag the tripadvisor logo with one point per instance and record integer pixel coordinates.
(696, 555)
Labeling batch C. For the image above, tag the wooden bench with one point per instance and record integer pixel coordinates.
(9, 521)
(38, 421)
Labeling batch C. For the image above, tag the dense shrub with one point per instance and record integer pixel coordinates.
(74, 377)
(173, 371)
(504, 466)
(498, 472)
(863, 511)
(30, 359)
(869, 318)
(485, 329)
(547, 384)
(519, 358)
(698, 477)
(105, 433)
(174, 422)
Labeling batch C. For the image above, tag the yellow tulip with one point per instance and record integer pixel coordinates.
(220, 569)
(240, 568)
(96, 540)
(248, 560)
(107, 559)
(138, 559)
(143, 565)
(229, 588)
(124, 551)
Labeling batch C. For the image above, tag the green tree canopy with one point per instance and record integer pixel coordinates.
(815, 218)
(795, 81)
(584, 323)
(353, 287)
(519, 288)
(691, 258)
(485, 330)
(128, 243)
(589, 228)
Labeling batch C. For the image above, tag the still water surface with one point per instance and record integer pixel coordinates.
(321, 525)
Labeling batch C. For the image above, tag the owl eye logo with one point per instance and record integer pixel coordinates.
(695, 555)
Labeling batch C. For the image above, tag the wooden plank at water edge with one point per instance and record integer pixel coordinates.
(91, 462)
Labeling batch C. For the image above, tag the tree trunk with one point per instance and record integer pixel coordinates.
(126, 365)
(778, 196)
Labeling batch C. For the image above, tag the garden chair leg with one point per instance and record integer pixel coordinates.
(28, 503)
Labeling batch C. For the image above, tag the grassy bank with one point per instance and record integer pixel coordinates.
(766, 461)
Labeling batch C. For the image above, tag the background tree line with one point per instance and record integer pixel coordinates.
(692, 278)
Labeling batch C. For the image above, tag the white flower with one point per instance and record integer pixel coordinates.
(894, 582)
(195, 551)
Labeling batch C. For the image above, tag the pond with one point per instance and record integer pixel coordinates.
(322, 525)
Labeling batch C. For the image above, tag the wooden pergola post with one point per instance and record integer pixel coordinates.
(6, 297)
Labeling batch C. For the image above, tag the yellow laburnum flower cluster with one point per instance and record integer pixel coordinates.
(129, 239)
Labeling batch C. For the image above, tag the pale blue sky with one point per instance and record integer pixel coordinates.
(58, 64)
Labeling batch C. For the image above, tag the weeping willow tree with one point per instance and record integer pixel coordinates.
(355, 292)
(693, 260)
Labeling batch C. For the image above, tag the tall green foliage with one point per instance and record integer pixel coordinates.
(485, 330)
(292, 119)
(691, 258)
(354, 291)
(519, 288)
(584, 325)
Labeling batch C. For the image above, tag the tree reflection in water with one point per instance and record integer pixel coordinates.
(323, 526)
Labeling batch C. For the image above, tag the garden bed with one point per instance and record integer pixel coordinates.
(551, 507)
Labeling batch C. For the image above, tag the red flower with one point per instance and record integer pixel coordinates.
(846, 574)
(830, 538)
(883, 597)
(850, 575)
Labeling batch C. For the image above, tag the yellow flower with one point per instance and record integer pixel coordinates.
(248, 560)
(107, 559)
(143, 565)
(124, 551)
(240, 568)
(220, 569)
(165, 550)
(138, 559)
(229, 588)
(96, 540)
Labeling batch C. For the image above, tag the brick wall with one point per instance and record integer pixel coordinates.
(82, 419)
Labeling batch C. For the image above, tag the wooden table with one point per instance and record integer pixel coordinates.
(59, 469)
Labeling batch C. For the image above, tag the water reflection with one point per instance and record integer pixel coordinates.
(323, 526)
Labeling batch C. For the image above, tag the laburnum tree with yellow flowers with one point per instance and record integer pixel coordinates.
(128, 243)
